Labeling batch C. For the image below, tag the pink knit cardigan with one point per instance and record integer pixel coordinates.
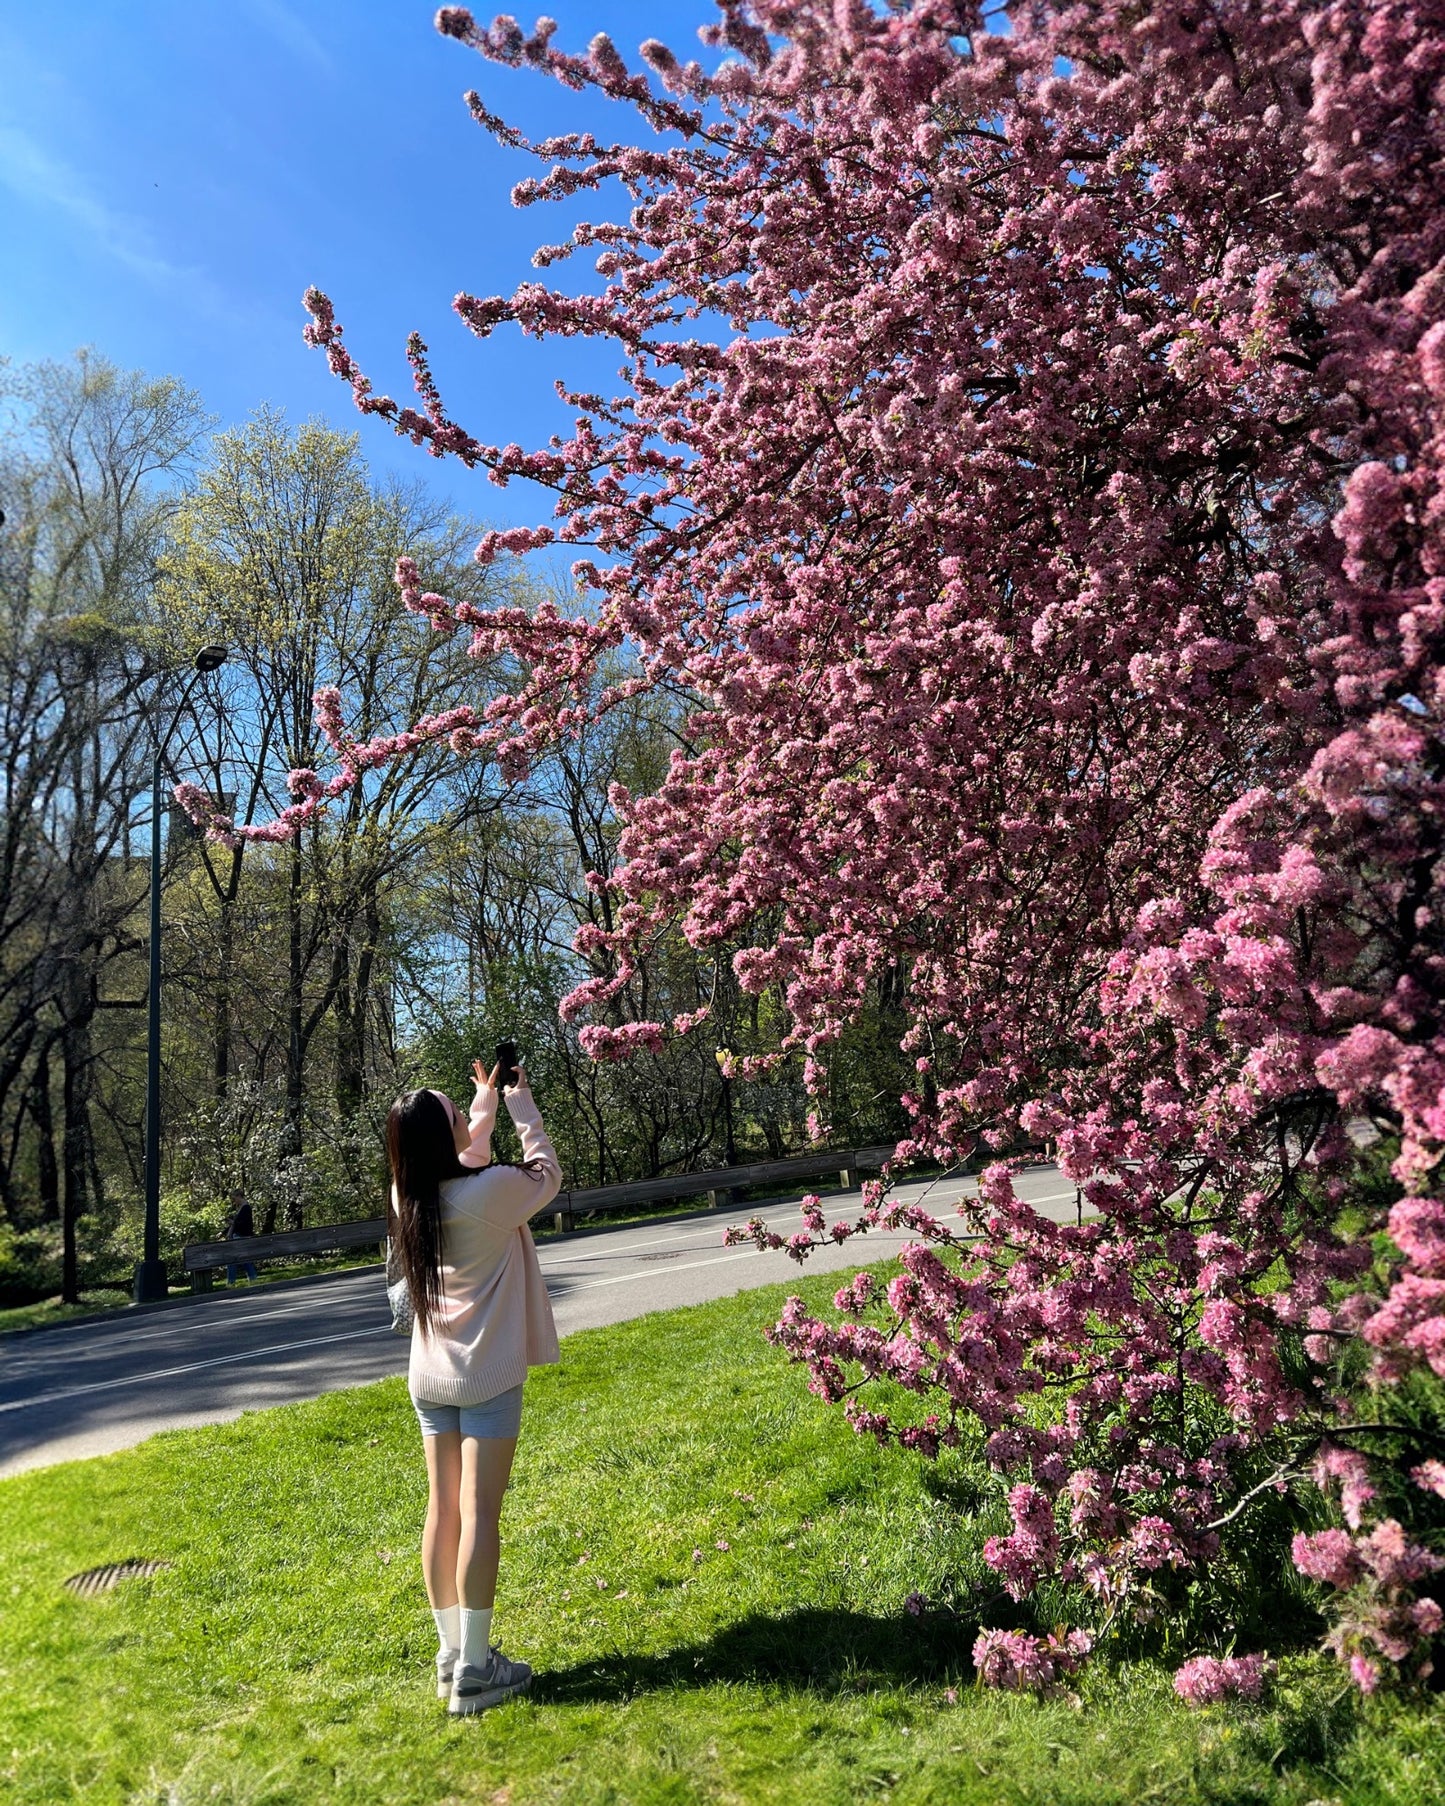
(496, 1317)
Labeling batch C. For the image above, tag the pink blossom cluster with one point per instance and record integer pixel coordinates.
(201, 807)
(1382, 1624)
(1205, 1680)
(600, 1042)
(1029, 459)
(1018, 1662)
(1033, 1547)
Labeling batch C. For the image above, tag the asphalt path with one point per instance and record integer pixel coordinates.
(89, 1388)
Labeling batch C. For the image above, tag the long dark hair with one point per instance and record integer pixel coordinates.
(422, 1156)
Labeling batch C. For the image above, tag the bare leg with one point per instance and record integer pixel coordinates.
(486, 1467)
(443, 1527)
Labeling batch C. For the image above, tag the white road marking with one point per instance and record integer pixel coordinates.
(171, 1373)
(561, 1249)
(617, 1279)
(620, 1279)
(163, 1324)
(561, 1259)
(1050, 1197)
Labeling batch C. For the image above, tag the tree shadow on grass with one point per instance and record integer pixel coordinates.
(805, 1651)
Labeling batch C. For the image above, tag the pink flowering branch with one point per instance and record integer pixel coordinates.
(1028, 461)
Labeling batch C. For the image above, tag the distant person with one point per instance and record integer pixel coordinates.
(243, 1224)
(482, 1318)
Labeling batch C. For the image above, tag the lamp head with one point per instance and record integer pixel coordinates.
(211, 658)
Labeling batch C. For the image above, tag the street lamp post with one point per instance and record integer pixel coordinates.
(150, 1272)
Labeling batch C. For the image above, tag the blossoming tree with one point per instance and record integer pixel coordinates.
(1028, 457)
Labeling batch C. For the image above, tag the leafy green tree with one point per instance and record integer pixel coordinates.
(285, 549)
(83, 486)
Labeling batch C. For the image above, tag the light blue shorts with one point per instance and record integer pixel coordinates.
(494, 1417)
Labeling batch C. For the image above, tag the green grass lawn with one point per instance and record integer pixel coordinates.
(705, 1566)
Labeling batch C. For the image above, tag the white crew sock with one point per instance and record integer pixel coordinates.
(476, 1632)
(449, 1628)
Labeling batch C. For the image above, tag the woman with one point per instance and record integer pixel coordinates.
(243, 1226)
(482, 1319)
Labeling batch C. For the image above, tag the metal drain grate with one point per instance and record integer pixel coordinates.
(101, 1580)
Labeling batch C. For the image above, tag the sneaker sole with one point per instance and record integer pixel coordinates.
(473, 1703)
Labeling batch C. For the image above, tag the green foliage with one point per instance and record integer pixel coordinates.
(237, 1143)
(285, 1655)
(419, 921)
(517, 1000)
(867, 1075)
(422, 919)
(29, 1264)
(116, 1239)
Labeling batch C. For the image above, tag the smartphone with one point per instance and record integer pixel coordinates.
(506, 1061)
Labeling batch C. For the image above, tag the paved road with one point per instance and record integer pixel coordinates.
(91, 1388)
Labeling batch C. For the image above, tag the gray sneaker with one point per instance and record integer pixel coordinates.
(475, 1689)
(446, 1668)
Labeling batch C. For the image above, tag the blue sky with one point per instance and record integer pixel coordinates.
(173, 173)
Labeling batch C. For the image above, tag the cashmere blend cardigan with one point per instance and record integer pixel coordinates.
(496, 1318)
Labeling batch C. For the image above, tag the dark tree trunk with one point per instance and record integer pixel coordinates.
(730, 1141)
(92, 1163)
(221, 1026)
(16, 1052)
(73, 1151)
(47, 1167)
(348, 1040)
(353, 1004)
(290, 1144)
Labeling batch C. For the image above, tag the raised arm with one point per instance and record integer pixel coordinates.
(481, 1118)
(513, 1192)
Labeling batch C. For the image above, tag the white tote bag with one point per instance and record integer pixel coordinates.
(398, 1292)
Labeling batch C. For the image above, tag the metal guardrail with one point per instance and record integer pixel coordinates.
(201, 1259)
